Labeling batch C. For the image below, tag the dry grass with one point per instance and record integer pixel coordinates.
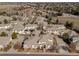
(75, 20)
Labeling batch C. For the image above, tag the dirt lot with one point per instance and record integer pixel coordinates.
(75, 20)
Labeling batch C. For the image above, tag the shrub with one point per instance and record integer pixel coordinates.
(24, 24)
(59, 14)
(46, 16)
(49, 21)
(57, 21)
(5, 21)
(69, 25)
(14, 18)
(14, 35)
(16, 13)
(0, 22)
(3, 34)
(77, 30)
(66, 38)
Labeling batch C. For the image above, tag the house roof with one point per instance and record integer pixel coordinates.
(18, 26)
(30, 26)
(31, 41)
(4, 41)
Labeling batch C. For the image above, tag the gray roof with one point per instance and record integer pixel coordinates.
(18, 26)
(4, 40)
(46, 39)
(31, 41)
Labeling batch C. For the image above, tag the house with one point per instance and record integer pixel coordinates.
(63, 50)
(77, 46)
(4, 41)
(41, 20)
(31, 43)
(1, 47)
(76, 42)
(55, 29)
(30, 26)
(17, 26)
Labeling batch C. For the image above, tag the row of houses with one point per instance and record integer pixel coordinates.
(45, 41)
(35, 42)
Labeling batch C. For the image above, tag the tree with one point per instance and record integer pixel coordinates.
(3, 34)
(66, 38)
(14, 18)
(69, 25)
(0, 22)
(57, 21)
(46, 16)
(3, 13)
(76, 11)
(16, 13)
(5, 21)
(14, 35)
(59, 14)
(24, 24)
(49, 20)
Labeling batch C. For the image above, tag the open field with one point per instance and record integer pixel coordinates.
(75, 20)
